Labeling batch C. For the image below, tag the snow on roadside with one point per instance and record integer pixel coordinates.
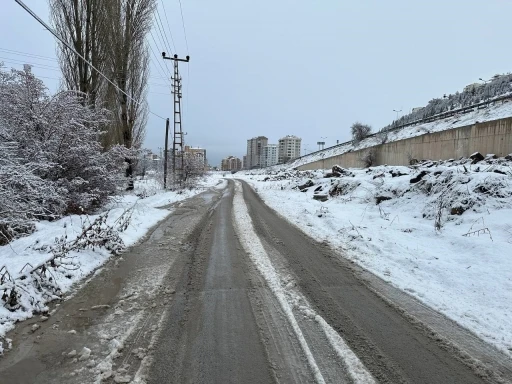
(16, 255)
(463, 270)
(290, 300)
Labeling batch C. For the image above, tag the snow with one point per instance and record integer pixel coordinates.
(290, 300)
(85, 354)
(493, 112)
(463, 269)
(16, 255)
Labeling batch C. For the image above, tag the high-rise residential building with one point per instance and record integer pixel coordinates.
(255, 151)
(231, 163)
(244, 162)
(269, 156)
(289, 148)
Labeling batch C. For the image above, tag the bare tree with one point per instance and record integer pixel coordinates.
(194, 165)
(128, 64)
(82, 24)
(111, 36)
(360, 131)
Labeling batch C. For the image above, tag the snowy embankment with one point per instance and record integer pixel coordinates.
(493, 112)
(129, 216)
(441, 231)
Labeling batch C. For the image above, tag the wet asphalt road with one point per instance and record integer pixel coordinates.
(214, 332)
(211, 335)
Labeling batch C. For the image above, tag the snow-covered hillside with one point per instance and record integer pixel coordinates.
(441, 231)
(492, 112)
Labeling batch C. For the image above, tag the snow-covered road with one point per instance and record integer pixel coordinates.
(224, 290)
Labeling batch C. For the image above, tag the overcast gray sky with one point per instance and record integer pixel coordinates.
(302, 67)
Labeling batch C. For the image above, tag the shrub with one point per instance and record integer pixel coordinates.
(51, 160)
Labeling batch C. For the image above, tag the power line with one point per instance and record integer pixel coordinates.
(162, 93)
(42, 66)
(156, 56)
(159, 85)
(22, 62)
(18, 53)
(59, 78)
(168, 26)
(162, 39)
(163, 29)
(79, 55)
(183, 23)
(163, 76)
(162, 72)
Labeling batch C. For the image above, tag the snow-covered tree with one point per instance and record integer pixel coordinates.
(473, 94)
(51, 159)
(194, 165)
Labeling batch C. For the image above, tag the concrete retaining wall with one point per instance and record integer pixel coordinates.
(489, 137)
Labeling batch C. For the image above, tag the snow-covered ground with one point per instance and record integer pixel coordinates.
(18, 256)
(492, 112)
(463, 268)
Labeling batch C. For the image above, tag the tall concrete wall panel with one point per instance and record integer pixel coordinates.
(490, 137)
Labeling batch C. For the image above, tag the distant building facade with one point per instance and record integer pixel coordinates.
(289, 148)
(255, 151)
(244, 162)
(269, 156)
(231, 163)
(196, 156)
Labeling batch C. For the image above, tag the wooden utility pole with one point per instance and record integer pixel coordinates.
(178, 135)
(166, 151)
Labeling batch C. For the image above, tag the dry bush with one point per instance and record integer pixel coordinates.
(368, 157)
(382, 136)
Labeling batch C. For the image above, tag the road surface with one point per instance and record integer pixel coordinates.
(242, 296)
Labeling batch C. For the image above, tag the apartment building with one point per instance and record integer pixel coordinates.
(269, 156)
(289, 148)
(255, 151)
(231, 163)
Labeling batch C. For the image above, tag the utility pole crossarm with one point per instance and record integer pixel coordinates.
(175, 58)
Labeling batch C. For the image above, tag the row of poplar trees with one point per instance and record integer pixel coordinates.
(110, 35)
